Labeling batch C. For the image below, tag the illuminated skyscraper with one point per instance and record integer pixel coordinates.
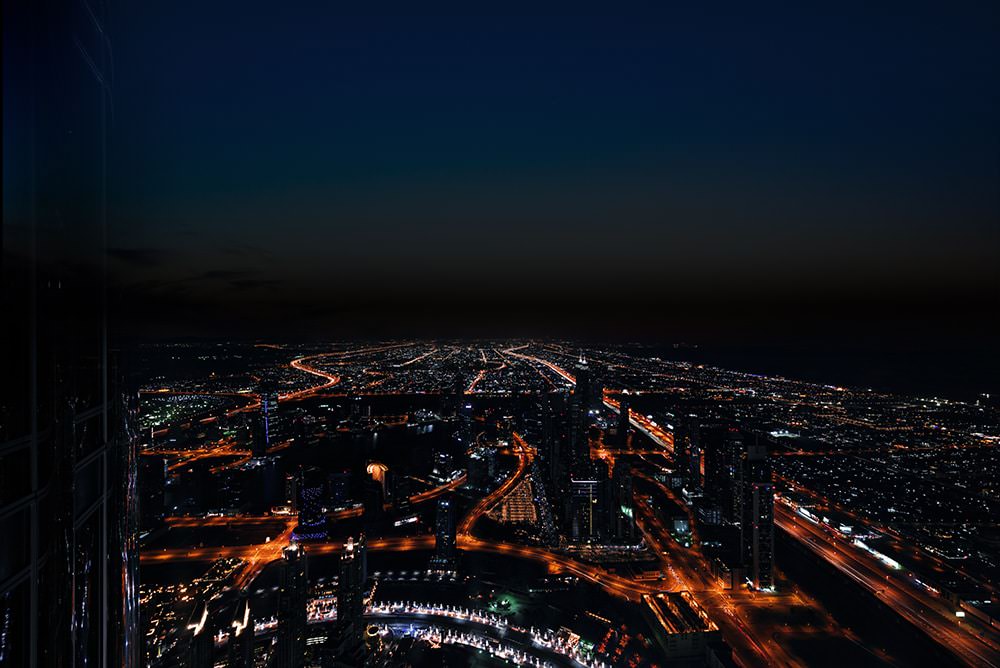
(292, 598)
(757, 517)
(445, 552)
(241, 634)
(201, 650)
(347, 639)
(580, 421)
(265, 432)
(311, 502)
(723, 450)
(583, 506)
(68, 512)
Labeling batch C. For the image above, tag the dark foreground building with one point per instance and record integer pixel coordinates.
(68, 591)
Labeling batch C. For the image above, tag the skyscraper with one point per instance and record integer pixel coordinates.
(583, 507)
(311, 490)
(201, 649)
(580, 421)
(445, 552)
(723, 450)
(241, 634)
(555, 441)
(620, 516)
(695, 485)
(757, 517)
(265, 432)
(347, 639)
(292, 599)
(68, 516)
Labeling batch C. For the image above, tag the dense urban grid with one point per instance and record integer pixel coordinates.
(256, 261)
(545, 503)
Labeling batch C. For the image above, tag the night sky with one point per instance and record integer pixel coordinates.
(292, 169)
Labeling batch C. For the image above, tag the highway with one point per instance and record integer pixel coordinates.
(257, 556)
(525, 454)
(927, 612)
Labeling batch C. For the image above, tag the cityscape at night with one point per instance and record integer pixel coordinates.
(643, 337)
(706, 521)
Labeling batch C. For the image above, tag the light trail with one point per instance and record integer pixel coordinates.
(926, 612)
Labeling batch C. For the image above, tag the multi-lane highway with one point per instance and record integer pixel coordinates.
(924, 610)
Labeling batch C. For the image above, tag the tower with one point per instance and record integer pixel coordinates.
(621, 518)
(722, 447)
(265, 432)
(241, 634)
(311, 488)
(347, 639)
(757, 517)
(292, 593)
(445, 552)
(202, 647)
(580, 421)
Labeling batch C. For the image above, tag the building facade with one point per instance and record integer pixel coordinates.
(68, 513)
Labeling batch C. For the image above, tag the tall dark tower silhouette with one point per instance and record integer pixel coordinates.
(757, 517)
(68, 579)
(445, 552)
(580, 421)
(292, 593)
(241, 634)
(347, 639)
(265, 431)
(202, 648)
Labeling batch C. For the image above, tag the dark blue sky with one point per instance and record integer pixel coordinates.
(302, 161)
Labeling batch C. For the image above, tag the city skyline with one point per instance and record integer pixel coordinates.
(339, 337)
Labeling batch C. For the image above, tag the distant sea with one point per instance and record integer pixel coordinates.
(948, 371)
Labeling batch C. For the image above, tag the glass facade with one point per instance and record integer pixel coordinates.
(67, 468)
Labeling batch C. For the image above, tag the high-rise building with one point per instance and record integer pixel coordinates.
(347, 639)
(757, 517)
(241, 634)
(555, 441)
(695, 483)
(311, 488)
(340, 487)
(580, 421)
(620, 512)
(374, 499)
(201, 651)
(266, 430)
(445, 552)
(444, 465)
(723, 447)
(464, 431)
(402, 490)
(292, 490)
(584, 509)
(293, 590)
(68, 511)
